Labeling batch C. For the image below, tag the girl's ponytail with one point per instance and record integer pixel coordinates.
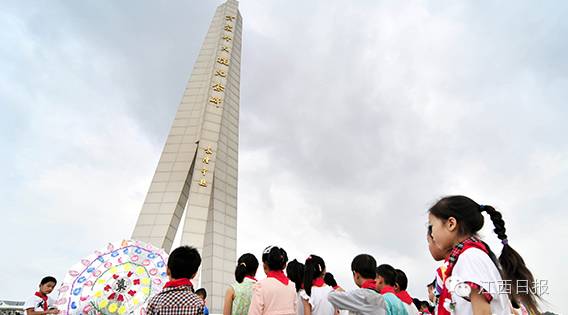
(513, 266)
(315, 268)
(246, 266)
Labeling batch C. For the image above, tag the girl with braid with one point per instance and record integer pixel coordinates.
(471, 273)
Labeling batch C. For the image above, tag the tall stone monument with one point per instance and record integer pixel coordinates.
(197, 172)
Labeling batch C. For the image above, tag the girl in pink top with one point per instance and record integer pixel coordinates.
(275, 294)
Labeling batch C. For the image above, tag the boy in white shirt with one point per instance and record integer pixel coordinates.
(365, 300)
(40, 303)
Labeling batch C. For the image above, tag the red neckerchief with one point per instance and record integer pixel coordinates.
(450, 262)
(369, 284)
(336, 287)
(404, 296)
(178, 283)
(44, 298)
(252, 278)
(318, 282)
(278, 275)
(387, 289)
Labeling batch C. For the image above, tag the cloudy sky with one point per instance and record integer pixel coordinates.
(355, 118)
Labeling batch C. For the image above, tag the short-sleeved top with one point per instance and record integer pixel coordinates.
(272, 297)
(243, 295)
(300, 306)
(359, 302)
(318, 300)
(476, 266)
(36, 303)
(394, 305)
(176, 301)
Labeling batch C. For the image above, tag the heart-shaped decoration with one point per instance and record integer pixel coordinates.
(61, 301)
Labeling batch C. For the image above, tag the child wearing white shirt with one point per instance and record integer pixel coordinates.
(40, 303)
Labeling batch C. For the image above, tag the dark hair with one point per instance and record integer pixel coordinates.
(417, 303)
(329, 279)
(365, 265)
(47, 280)
(469, 216)
(184, 262)
(388, 273)
(432, 284)
(275, 257)
(201, 292)
(246, 266)
(401, 279)
(315, 267)
(295, 272)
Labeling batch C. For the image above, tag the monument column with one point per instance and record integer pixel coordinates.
(198, 168)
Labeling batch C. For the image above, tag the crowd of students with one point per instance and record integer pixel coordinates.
(462, 284)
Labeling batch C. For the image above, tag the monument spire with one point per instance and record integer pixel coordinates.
(198, 169)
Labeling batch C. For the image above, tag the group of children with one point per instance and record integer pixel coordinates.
(462, 284)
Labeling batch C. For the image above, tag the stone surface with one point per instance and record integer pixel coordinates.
(197, 171)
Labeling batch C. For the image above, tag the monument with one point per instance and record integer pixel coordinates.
(197, 171)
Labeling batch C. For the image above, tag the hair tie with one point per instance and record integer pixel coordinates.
(505, 242)
(243, 264)
(268, 249)
(481, 208)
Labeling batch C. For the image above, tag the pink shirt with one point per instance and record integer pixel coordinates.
(272, 297)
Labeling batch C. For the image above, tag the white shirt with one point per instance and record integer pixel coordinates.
(411, 309)
(359, 301)
(318, 300)
(36, 303)
(475, 266)
(300, 305)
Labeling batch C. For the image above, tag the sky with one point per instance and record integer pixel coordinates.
(355, 118)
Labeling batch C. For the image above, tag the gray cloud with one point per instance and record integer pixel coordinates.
(354, 120)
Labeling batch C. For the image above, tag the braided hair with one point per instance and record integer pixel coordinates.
(510, 264)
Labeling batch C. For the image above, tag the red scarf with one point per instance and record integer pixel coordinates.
(387, 289)
(405, 297)
(278, 275)
(178, 283)
(252, 278)
(44, 298)
(318, 282)
(450, 262)
(369, 284)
